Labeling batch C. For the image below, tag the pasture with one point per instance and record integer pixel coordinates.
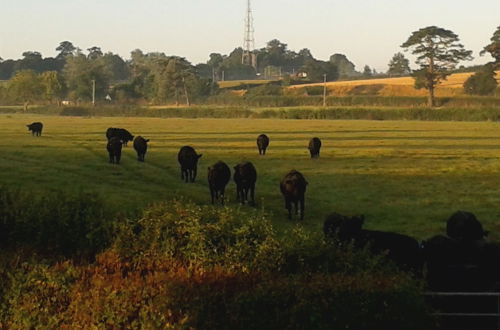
(405, 176)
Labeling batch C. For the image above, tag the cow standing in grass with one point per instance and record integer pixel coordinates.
(245, 176)
(188, 159)
(35, 128)
(262, 143)
(114, 148)
(218, 177)
(314, 146)
(121, 133)
(293, 187)
(141, 146)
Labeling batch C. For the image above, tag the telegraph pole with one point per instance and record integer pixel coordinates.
(324, 89)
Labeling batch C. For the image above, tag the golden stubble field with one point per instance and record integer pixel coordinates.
(400, 86)
(406, 176)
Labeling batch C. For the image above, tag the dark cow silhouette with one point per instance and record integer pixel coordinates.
(464, 260)
(403, 250)
(188, 159)
(262, 143)
(293, 187)
(463, 263)
(121, 133)
(314, 146)
(245, 176)
(114, 148)
(463, 225)
(35, 128)
(141, 146)
(218, 177)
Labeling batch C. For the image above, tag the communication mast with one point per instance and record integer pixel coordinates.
(249, 57)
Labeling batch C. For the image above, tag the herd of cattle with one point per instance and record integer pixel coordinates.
(462, 260)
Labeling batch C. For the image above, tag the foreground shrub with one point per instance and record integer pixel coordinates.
(161, 293)
(54, 223)
(202, 235)
(199, 267)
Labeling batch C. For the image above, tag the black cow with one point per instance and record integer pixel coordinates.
(314, 146)
(218, 177)
(293, 187)
(114, 148)
(262, 143)
(245, 176)
(35, 128)
(464, 260)
(463, 225)
(188, 159)
(121, 133)
(403, 250)
(141, 146)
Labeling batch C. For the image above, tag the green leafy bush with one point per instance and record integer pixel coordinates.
(55, 223)
(188, 266)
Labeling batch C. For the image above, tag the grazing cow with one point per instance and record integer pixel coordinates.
(35, 128)
(463, 225)
(141, 146)
(293, 187)
(188, 159)
(121, 133)
(403, 250)
(245, 177)
(218, 177)
(314, 146)
(114, 148)
(262, 143)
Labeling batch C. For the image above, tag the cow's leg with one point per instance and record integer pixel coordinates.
(288, 206)
(118, 158)
(212, 194)
(222, 193)
(238, 193)
(264, 151)
(252, 194)
(302, 208)
(193, 174)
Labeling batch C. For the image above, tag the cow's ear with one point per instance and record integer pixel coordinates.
(147, 140)
(199, 156)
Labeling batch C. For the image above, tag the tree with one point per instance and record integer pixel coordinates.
(438, 52)
(399, 65)
(494, 47)
(317, 69)
(346, 68)
(25, 86)
(94, 52)
(52, 85)
(482, 82)
(79, 72)
(65, 48)
(367, 71)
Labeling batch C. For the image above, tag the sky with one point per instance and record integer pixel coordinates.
(368, 32)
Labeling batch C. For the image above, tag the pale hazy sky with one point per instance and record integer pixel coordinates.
(367, 31)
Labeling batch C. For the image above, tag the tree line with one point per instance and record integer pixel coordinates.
(79, 75)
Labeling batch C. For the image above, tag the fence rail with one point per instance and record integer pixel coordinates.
(468, 294)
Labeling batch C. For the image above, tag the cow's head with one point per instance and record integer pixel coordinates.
(344, 227)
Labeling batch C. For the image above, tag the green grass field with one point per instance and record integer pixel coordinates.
(406, 176)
